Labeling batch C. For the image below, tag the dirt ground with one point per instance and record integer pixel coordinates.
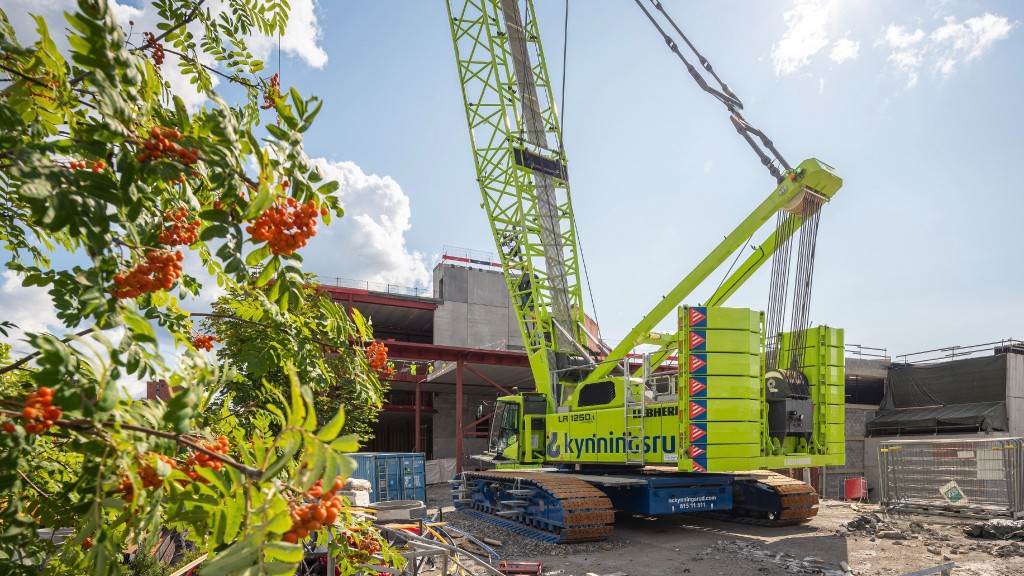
(684, 544)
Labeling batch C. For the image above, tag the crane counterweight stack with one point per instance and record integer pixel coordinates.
(650, 436)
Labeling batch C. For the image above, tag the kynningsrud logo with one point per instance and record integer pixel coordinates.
(697, 431)
(700, 464)
(697, 340)
(698, 363)
(698, 317)
(698, 386)
(579, 447)
(698, 409)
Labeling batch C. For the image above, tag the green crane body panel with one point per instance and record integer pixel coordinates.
(711, 432)
(716, 419)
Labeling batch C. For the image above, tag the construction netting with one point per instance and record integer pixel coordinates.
(960, 394)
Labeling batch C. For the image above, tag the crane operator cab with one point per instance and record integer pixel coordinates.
(516, 418)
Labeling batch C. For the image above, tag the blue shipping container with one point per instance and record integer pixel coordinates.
(392, 475)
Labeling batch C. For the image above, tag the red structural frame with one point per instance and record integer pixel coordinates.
(462, 357)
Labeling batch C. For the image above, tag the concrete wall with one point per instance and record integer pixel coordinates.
(1015, 393)
(475, 311)
(835, 476)
(444, 423)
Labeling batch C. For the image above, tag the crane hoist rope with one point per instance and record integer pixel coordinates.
(806, 227)
(724, 95)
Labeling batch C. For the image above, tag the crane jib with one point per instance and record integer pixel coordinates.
(540, 164)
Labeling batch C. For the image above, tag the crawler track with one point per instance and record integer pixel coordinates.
(548, 507)
(769, 499)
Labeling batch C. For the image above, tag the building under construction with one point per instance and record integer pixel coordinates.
(456, 347)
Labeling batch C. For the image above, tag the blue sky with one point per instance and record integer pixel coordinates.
(911, 102)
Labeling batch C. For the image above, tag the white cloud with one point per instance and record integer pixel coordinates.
(30, 309)
(945, 47)
(975, 35)
(897, 37)
(300, 39)
(806, 35)
(368, 243)
(844, 49)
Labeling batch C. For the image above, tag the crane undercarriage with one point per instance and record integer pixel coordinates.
(561, 507)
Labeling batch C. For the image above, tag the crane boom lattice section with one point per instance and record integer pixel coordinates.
(521, 171)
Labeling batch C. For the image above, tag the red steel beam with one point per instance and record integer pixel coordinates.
(416, 351)
(458, 415)
(488, 380)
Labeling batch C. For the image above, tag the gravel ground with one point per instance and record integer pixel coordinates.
(842, 540)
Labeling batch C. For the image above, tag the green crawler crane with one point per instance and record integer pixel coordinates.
(693, 426)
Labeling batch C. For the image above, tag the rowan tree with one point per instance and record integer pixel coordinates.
(260, 350)
(102, 163)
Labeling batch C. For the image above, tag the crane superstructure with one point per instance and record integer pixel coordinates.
(602, 430)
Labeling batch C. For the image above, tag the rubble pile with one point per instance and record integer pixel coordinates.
(756, 554)
(997, 529)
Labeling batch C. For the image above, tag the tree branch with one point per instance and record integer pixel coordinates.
(24, 76)
(32, 484)
(191, 16)
(184, 440)
(195, 62)
(22, 361)
(260, 324)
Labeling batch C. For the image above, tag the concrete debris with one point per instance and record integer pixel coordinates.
(755, 552)
(890, 534)
(997, 529)
(357, 485)
(1008, 550)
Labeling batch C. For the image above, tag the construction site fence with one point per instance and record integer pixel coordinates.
(978, 477)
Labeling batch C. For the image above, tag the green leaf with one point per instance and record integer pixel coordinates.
(278, 132)
(139, 328)
(258, 255)
(290, 446)
(331, 430)
(234, 558)
(282, 551)
(346, 443)
(268, 271)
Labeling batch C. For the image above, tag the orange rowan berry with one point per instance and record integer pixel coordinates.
(179, 231)
(377, 353)
(159, 272)
(272, 93)
(156, 47)
(204, 342)
(9, 427)
(286, 226)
